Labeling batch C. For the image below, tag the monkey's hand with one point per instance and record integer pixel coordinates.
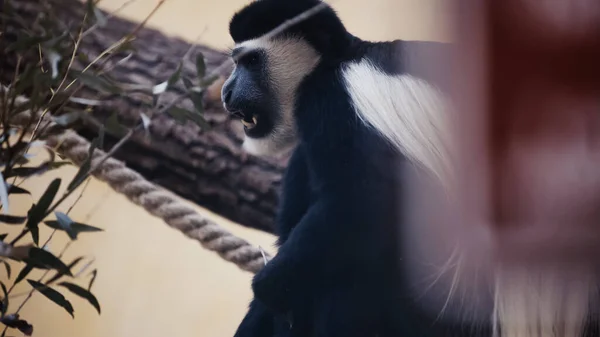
(298, 269)
(258, 322)
(272, 285)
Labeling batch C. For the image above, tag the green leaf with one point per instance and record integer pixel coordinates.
(43, 259)
(179, 114)
(97, 82)
(23, 273)
(187, 83)
(8, 268)
(200, 65)
(83, 293)
(113, 126)
(175, 77)
(37, 213)
(205, 82)
(53, 295)
(3, 236)
(24, 43)
(59, 274)
(12, 219)
(197, 100)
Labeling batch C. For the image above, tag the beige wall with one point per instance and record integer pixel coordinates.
(373, 19)
(152, 281)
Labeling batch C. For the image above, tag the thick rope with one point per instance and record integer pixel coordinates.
(154, 199)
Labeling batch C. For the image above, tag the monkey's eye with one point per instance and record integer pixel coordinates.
(250, 59)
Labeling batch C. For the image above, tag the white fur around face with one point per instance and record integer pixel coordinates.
(289, 60)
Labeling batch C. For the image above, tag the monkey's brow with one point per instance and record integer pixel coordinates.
(236, 52)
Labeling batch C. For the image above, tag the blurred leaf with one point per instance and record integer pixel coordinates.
(85, 167)
(8, 268)
(126, 46)
(83, 58)
(38, 211)
(100, 18)
(97, 82)
(23, 273)
(53, 295)
(3, 195)
(200, 65)
(205, 82)
(13, 189)
(179, 114)
(60, 274)
(13, 321)
(12, 219)
(160, 88)
(64, 221)
(58, 164)
(85, 101)
(26, 42)
(4, 298)
(27, 171)
(145, 120)
(94, 274)
(25, 80)
(83, 293)
(93, 10)
(176, 75)
(114, 127)
(72, 228)
(53, 58)
(197, 100)
(43, 259)
(187, 83)
(68, 118)
(53, 42)
(3, 236)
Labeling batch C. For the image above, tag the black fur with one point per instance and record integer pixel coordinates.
(324, 31)
(338, 269)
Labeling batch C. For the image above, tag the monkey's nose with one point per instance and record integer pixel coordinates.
(226, 97)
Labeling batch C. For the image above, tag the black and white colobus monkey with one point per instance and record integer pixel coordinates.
(355, 116)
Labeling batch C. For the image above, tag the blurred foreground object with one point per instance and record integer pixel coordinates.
(521, 247)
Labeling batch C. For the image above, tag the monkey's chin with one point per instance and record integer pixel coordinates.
(266, 147)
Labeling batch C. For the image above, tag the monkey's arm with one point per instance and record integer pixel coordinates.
(258, 322)
(314, 246)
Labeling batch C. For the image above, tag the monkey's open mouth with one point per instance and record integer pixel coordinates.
(249, 123)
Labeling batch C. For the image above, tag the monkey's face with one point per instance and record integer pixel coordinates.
(261, 91)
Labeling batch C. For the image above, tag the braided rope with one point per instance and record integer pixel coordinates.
(154, 199)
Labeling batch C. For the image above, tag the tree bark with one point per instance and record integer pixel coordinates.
(206, 166)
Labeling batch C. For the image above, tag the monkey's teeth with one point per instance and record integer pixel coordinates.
(249, 125)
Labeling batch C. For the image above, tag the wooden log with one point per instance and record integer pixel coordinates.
(206, 166)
